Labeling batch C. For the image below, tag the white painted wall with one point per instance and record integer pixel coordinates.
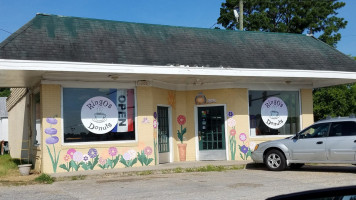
(4, 130)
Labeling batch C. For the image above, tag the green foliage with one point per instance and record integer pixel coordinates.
(334, 101)
(181, 133)
(144, 160)
(128, 163)
(4, 92)
(6, 164)
(44, 178)
(287, 16)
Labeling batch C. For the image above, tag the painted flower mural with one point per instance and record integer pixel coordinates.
(129, 158)
(232, 140)
(51, 141)
(181, 121)
(143, 156)
(155, 142)
(114, 157)
(245, 150)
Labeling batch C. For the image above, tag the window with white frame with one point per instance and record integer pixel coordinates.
(98, 115)
(274, 112)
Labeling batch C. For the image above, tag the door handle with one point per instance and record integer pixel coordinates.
(320, 142)
(354, 141)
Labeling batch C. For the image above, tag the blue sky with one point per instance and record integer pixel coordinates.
(191, 13)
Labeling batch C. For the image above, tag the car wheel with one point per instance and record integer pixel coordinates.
(275, 160)
(296, 165)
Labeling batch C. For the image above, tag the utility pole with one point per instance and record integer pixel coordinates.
(241, 17)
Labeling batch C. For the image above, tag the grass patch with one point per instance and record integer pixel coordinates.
(7, 164)
(44, 178)
(80, 177)
(178, 170)
(144, 173)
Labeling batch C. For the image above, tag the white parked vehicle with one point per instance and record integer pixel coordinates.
(326, 141)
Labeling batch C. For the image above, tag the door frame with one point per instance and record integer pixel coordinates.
(170, 135)
(196, 129)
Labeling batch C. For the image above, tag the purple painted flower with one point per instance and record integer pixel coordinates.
(155, 115)
(127, 156)
(243, 137)
(230, 114)
(244, 149)
(86, 158)
(112, 151)
(78, 156)
(51, 131)
(92, 153)
(51, 120)
(71, 152)
(52, 140)
(148, 150)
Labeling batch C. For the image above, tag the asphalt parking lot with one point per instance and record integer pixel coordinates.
(254, 182)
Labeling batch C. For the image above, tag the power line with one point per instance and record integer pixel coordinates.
(5, 31)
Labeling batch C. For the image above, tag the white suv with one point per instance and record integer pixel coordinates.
(326, 141)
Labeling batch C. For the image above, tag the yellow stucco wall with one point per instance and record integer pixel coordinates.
(307, 107)
(148, 98)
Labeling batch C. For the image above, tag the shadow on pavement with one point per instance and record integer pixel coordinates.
(345, 168)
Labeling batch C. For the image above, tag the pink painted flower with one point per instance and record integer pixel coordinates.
(102, 161)
(243, 137)
(148, 151)
(112, 151)
(181, 119)
(71, 152)
(155, 123)
(231, 122)
(67, 158)
(232, 132)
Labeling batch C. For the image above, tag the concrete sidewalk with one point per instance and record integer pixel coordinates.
(154, 169)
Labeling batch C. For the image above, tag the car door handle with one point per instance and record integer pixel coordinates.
(354, 141)
(320, 142)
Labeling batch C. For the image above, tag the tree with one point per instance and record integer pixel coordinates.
(334, 101)
(4, 92)
(287, 16)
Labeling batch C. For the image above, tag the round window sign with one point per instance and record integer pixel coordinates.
(99, 115)
(274, 112)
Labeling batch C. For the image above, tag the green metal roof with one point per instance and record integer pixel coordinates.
(59, 38)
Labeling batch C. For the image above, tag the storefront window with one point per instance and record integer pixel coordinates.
(274, 112)
(96, 115)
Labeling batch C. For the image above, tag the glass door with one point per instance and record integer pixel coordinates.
(211, 133)
(163, 134)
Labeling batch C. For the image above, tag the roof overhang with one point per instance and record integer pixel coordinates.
(27, 73)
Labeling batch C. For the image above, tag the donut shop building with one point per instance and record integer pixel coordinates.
(91, 94)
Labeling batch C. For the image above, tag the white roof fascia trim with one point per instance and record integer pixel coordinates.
(30, 65)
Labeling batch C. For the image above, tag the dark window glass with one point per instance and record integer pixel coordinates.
(74, 130)
(258, 127)
(315, 131)
(343, 129)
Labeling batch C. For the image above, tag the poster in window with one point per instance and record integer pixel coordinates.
(274, 112)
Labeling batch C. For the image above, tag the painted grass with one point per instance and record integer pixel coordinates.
(7, 164)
